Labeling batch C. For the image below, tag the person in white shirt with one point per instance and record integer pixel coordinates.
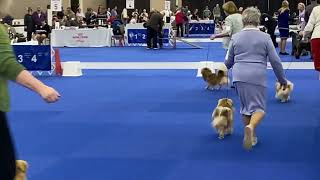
(124, 16)
(108, 14)
(144, 16)
(233, 23)
(166, 15)
(313, 29)
(134, 19)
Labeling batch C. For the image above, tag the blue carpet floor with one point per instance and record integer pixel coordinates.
(184, 53)
(143, 125)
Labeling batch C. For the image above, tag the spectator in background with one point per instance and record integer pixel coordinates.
(42, 32)
(309, 9)
(166, 15)
(206, 13)
(283, 25)
(233, 23)
(114, 12)
(217, 13)
(154, 25)
(48, 9)
(160, 31)
(108, 14)
(301, 20)
(135, 12)
(124, 16)
(99, 8)
(179, 22)
(70, 14)
(102, 12)
(241, 10)
(8, 19)
(90, 16)
(64, 21)
(80, 14)
(144, 17)
(187, 19)
(134, 19)
(60, 14)
(195, 15)
(270, 24)
(185, 10)
(29, 24)
(38, 17)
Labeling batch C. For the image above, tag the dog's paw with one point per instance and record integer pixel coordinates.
(221, 137)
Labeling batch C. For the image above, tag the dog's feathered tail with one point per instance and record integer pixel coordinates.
(219, 114)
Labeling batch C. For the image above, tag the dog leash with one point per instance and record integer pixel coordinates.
(208, 52)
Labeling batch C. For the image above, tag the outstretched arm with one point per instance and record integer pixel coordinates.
(12, 70)
(48, 94)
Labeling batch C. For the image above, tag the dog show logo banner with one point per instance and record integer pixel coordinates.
(130, 4)
(56, 5)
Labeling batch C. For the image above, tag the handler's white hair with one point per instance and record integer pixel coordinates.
(251, 16)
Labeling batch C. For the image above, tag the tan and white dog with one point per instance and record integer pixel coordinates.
(284, 94)
(222, 117)
(217, 79)
(21, 171)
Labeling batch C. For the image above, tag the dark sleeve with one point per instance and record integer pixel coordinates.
(25, 20)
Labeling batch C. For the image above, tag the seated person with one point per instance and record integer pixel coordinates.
(42, 32)
(134, 19)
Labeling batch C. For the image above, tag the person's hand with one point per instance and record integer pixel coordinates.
(49, 94)
(284, 86)
(213, 36)
(301, 33)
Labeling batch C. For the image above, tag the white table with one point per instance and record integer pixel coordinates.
(81, 37)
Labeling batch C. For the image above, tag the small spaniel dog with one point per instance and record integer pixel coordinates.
(284, 94)
(222, 117)
(217, 79)
(21, 170)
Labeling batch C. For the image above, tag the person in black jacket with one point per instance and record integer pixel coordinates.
(42, 32)
(270, 24)
(29, 24)
(154, 25)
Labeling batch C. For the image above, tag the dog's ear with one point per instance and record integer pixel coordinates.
(278, 86)
(290, 85)
(22, 165)
(215, 112)
(204, 73)
(230, 102)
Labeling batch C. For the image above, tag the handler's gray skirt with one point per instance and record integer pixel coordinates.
(252, 97)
